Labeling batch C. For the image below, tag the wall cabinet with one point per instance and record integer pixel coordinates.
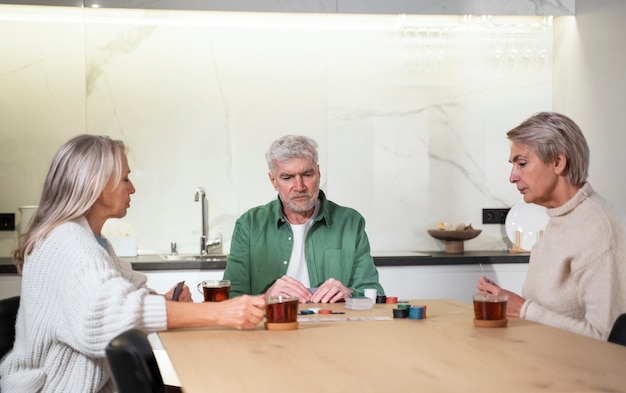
(163, 280)
(456, 282)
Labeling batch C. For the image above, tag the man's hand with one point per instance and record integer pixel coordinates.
(331, 291)
(287, 286)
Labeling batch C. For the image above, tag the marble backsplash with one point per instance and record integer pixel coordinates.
(410, 111)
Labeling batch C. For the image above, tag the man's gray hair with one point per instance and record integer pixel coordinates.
(289, 147)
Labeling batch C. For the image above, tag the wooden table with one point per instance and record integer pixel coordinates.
(442, 353)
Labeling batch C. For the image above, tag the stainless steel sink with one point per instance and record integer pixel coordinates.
(194, 257)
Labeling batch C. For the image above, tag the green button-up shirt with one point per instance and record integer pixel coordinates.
(336, 247)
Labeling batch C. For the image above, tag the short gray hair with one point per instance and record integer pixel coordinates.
(549, 134)
(289, 147)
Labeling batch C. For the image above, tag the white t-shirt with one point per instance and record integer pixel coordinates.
(297, 268)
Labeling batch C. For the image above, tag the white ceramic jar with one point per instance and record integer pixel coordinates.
(26, 214)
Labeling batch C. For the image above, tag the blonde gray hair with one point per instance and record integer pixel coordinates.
(549, 134)
(77, 176)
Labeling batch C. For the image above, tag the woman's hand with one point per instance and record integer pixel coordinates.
(241, 312)
(515, 302)
(185, 294)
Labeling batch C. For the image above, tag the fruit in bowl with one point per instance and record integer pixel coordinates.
(454, 235)
(459, 226)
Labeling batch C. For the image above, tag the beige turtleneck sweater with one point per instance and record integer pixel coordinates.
(577, 271)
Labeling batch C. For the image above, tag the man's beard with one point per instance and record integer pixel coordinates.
(300, 208)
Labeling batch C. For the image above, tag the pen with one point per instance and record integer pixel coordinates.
(309, 312)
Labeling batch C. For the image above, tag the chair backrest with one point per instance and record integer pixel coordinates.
(8, 314)
(618, 332)
(133, 365)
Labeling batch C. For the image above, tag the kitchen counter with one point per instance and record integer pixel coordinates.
(437, 258)
(387, 258)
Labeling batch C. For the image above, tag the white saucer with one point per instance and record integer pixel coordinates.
(528, 219)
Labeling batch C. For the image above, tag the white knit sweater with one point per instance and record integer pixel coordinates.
(75, 298)
(577, 271)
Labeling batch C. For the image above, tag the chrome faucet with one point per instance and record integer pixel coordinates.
(206, 245)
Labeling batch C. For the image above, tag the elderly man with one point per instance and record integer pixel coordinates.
(300, 244)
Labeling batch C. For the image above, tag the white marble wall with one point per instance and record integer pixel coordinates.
(592, 88)
(410, 113)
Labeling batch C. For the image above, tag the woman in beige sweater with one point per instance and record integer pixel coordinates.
(577, 271)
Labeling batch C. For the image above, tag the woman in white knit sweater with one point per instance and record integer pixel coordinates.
(77, 294)
(577, 270)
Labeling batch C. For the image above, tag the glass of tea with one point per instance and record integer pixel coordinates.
(490, 309)
(215, 290)
(281, 312)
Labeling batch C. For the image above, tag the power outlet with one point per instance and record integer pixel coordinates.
(495, 216)
(7, 221)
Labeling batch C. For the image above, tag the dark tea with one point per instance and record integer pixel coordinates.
(490, 307)
(491, 311)
(216, 294)
(281, 310)
(215, 290)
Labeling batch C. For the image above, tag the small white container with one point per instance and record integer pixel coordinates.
(370, 293)
(26, 214)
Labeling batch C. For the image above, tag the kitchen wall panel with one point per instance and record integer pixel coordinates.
(410, 111)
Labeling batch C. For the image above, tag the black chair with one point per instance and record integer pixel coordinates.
(618, 332)
(133, 365)
(8, 314)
